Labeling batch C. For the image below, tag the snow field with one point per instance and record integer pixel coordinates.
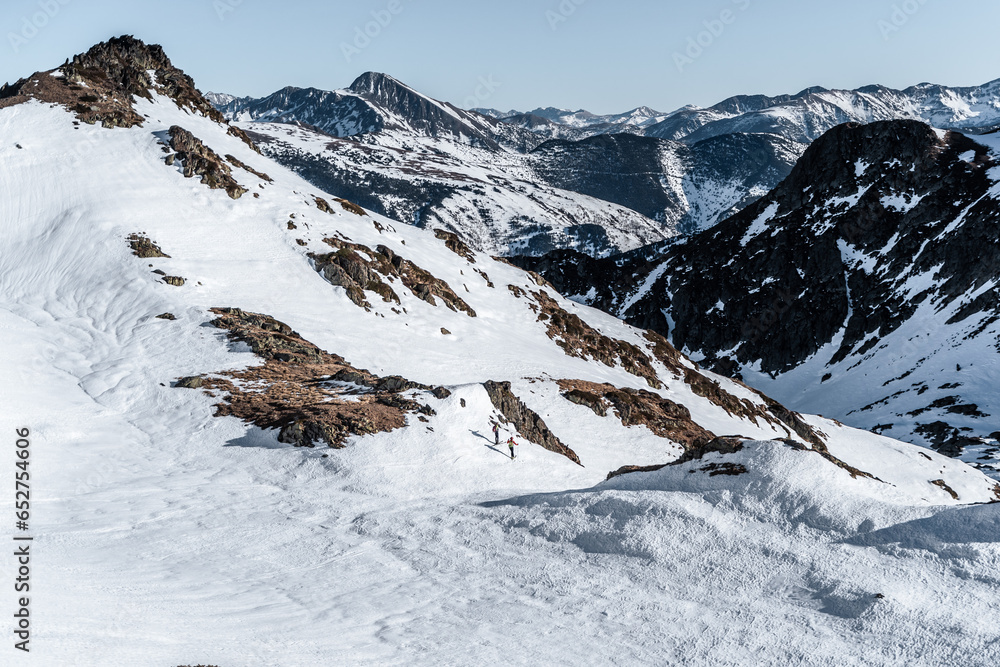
(165, 535)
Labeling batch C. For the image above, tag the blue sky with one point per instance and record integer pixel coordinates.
(602, 55)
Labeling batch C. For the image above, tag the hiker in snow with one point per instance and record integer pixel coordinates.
(511, 443)
(496, 433)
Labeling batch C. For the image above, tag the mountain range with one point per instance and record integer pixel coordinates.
(527, 183)
(259, 417)
(503, 187)
(801, 117)
(863, 287)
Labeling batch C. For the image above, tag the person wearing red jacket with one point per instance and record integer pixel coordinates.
(511, 443)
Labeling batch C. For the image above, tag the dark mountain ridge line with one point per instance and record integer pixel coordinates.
(827, 253)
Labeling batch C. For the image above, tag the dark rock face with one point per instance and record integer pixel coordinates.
(527, 422)
(873, 222)
(630, 170)
(375, 103)
(335, 113)
(197, 159)
(787, 277)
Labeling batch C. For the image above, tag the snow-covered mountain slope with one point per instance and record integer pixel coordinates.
(689, 187)
(807, 115)
(565, 124)
(375, 103)
(801, 117)
(863, 287)
(179, 311)
(492, 199)
(410, 158)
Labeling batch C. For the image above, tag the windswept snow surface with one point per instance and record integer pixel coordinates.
(166, 536)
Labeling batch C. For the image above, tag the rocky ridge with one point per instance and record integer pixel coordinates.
(876, 225)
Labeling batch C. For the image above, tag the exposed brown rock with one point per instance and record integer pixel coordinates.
(176, 281)
(166, 316)
(527, 422)
(579, 339)
(358, 269)
(726, 444)
(489, 283)
(143, 247)
(726, 468)
(242, 136)
(519, 293)
(639, 407)
(707, 388)
(455, 244)
(595, 402)
(794, 421)
(350, 207)
(296, 390)
(236, 162)
(825, 453)
(99, 85)
(624, 470)
(192, 382)
(941, 483)
(198, 159)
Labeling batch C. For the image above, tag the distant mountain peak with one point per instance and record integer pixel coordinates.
(375, 83)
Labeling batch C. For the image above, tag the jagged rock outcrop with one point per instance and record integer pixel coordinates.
(99, 86)
(358, 269)
(311, 396)
(197, 159)
(455, 244)
(527, 422)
